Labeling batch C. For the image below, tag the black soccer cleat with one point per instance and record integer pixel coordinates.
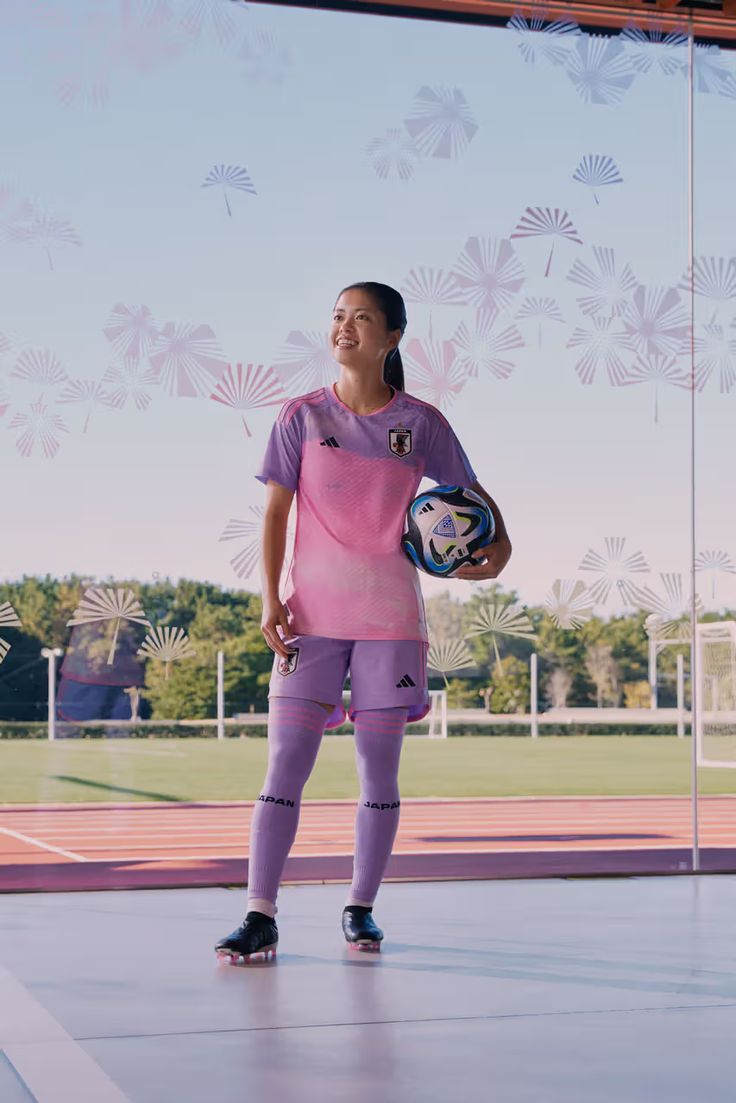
(256, 937)
(359, 928)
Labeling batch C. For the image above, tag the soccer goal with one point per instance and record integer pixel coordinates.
(435, 722)
(715, 703)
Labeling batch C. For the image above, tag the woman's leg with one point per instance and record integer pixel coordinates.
(378, 738)
(295, 728)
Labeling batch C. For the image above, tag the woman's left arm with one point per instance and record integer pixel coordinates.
(497, 554)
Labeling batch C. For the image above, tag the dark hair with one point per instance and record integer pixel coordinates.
(391, 304)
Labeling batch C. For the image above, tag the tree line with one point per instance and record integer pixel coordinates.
(603, 662)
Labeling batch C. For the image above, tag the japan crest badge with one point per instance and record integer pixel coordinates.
(288, 666)
(399, 441)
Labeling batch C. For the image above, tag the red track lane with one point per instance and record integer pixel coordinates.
(68, 847)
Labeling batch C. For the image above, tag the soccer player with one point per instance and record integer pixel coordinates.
(353, 454)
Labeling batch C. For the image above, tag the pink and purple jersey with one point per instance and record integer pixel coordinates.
(354, 476)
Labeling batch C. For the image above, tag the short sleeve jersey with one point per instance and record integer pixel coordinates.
(354, 476)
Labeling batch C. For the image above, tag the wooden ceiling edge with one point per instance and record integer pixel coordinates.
(610, 16)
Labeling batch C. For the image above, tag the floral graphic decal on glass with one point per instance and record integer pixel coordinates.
(714, 562)
(569, 603)
(600, 69)
(711, 71)
(656, 370)
(540, 308)
(653, 45)
(229, 176)
(715, 355)
(441, 123)
(548, 40)
(447, 655)
(33, 225)
(609, 288)
(247, 388)
(131, 330)
(187, 359)
(546, 222)
(655, 320)
(496, 619)
(222, 18)
(246, 560)
(714, 278)
(144, 36)
(434, 371)
(105, 603)
(596, 171)
(393, 155)
(8, 619)
(432, 287)
(40, 367)
(167, 645)
(614, 568)
(130, 380)
(39, 429)
(489, 273)
(484, 345)
(670, 610)
(265, 61)
(90, 391)
(305, 362)
(600, 347)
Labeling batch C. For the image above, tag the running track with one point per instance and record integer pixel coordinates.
(94, 846)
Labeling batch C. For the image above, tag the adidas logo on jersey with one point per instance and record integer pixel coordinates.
(329, 443)
(405, 683)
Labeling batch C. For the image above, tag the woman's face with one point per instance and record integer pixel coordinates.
(358, 334)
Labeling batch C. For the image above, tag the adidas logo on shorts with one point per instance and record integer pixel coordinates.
(329, 443)
(405, 683)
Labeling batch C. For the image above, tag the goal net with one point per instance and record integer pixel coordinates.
(715, 703)
(434, 724)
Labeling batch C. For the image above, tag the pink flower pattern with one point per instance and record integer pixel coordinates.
(247, 388)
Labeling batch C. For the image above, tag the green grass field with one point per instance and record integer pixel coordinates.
(203, 769)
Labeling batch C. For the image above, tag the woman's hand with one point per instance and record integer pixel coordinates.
(274, 617)
(495, 555)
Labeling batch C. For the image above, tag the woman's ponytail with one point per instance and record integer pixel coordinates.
(393, 370)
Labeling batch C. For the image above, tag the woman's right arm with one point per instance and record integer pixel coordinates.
(273, 550)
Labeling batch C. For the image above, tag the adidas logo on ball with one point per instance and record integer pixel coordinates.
(439, 547)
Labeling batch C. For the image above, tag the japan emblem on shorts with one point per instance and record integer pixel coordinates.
(399, 441)
(288, 666)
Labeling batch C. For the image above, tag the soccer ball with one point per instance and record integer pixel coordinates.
(444, 527)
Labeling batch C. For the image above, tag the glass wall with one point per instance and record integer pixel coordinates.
(714, 373)
(186, 187)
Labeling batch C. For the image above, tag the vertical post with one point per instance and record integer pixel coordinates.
(652, 673)
(534, 701)
(680, 696)
(50, 653)
(694, 658)
(220, 695)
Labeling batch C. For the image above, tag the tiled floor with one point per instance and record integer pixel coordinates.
(587, 991)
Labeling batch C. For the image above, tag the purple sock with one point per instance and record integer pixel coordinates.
(378, 737)
(295, 730)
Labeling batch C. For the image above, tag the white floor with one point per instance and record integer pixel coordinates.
(587, 991)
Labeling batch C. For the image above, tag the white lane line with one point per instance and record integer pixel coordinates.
(50, 1063)
(44, 846)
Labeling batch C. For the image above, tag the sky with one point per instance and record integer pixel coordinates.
(114, 119)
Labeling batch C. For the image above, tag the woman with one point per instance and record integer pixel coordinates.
(354, 454)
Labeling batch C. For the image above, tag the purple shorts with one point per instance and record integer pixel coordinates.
(384, 674)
